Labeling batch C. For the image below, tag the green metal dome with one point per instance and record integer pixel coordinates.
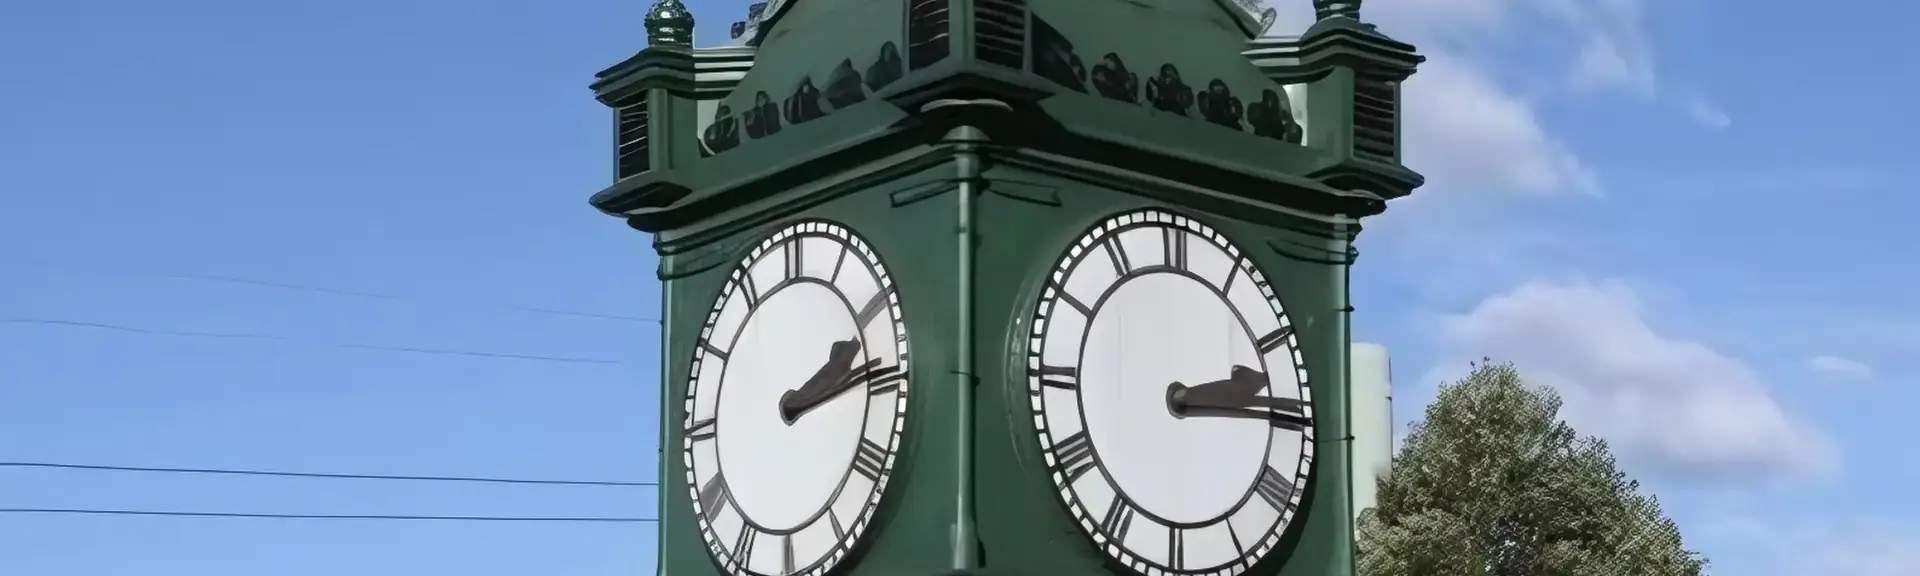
(1324, 9)
(669, 24)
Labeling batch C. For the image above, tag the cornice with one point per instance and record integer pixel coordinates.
(695, 73)
(1337, 42)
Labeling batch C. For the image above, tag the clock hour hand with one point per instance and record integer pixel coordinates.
(1237, 397)
(836, 375)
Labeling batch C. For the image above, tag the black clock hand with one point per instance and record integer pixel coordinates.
(797, 403)
(1236, 397)
(836, 375)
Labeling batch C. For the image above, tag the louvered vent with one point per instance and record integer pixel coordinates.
(1375, 110)
(1000, 31)
(632, 157)
(927, 33)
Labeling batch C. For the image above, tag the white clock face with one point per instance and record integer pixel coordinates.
(796, 400)
(1170, 396)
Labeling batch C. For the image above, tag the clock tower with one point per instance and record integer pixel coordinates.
(1013, 287)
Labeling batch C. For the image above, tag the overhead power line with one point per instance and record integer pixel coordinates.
(395, 297)
(284, 339)
(363, 294)
(385, 517)
(322, 475)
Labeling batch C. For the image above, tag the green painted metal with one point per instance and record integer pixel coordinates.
(669, 24)
(968, 176)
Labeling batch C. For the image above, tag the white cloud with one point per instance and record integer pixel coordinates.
(1616, 52)
(1438, 17)
(1837, 368)
(1706, 114)
(1466, 133)
(1600, 64)
(1464, 130)
(1817, 548)
(1872, 550)
(1613, 48)
(1676, 404)
(1479, 142)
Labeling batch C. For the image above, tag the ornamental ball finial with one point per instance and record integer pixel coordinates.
(1325, 9)
(669, 24)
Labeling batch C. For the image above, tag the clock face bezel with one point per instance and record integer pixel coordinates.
(1100, 245)
(871, 460)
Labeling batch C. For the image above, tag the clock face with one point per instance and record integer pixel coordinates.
(1170, 397)
(796, 400)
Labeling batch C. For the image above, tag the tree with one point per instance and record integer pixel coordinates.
(1492, 482)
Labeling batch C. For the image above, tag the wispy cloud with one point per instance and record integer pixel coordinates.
(1803, 547)
(1707, 114)
(1840, 369)
(1674, 403)
(1601, 64)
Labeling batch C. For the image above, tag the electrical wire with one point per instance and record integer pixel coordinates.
(284, 339)
(393, 297)
(322, 475)
(386, 517)
(222, 279)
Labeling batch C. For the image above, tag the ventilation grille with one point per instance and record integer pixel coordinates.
(927, 33)
(1000, 32)
(632, 157)
(1375, 111)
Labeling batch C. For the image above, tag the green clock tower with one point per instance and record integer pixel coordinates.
(1010, 287)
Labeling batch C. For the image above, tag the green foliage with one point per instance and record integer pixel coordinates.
(1493, 482)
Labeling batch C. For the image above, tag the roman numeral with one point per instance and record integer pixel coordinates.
(1176, 245)
(1062, 377)
(702, 430)
(1118, 254)
(1176, 548)
(1073, 456)
(786, 554)
(1118, 520)
(715, 351)
(793, 252)
(881, 380)
(712, 494)
(1238, 548)
(743, 545)
(1276, 490)
(838, 261)
(1061, 289)
(1273, 340)
(1289, 414)
(743, 283)
(874, 306)
(870, 459)
(1233, 273)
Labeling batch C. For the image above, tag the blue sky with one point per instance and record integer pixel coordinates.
(1678, 215)
(1686, 224)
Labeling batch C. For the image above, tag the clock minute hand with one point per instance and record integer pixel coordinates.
(1237, 396)
(797, 403)
(827, 382)
(1238, 390)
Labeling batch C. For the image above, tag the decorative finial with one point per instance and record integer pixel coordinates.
(669, 24)
(1326, 9)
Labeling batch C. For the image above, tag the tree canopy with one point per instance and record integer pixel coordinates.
(1493, 482)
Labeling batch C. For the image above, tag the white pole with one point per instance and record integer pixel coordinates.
(1372, 420)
